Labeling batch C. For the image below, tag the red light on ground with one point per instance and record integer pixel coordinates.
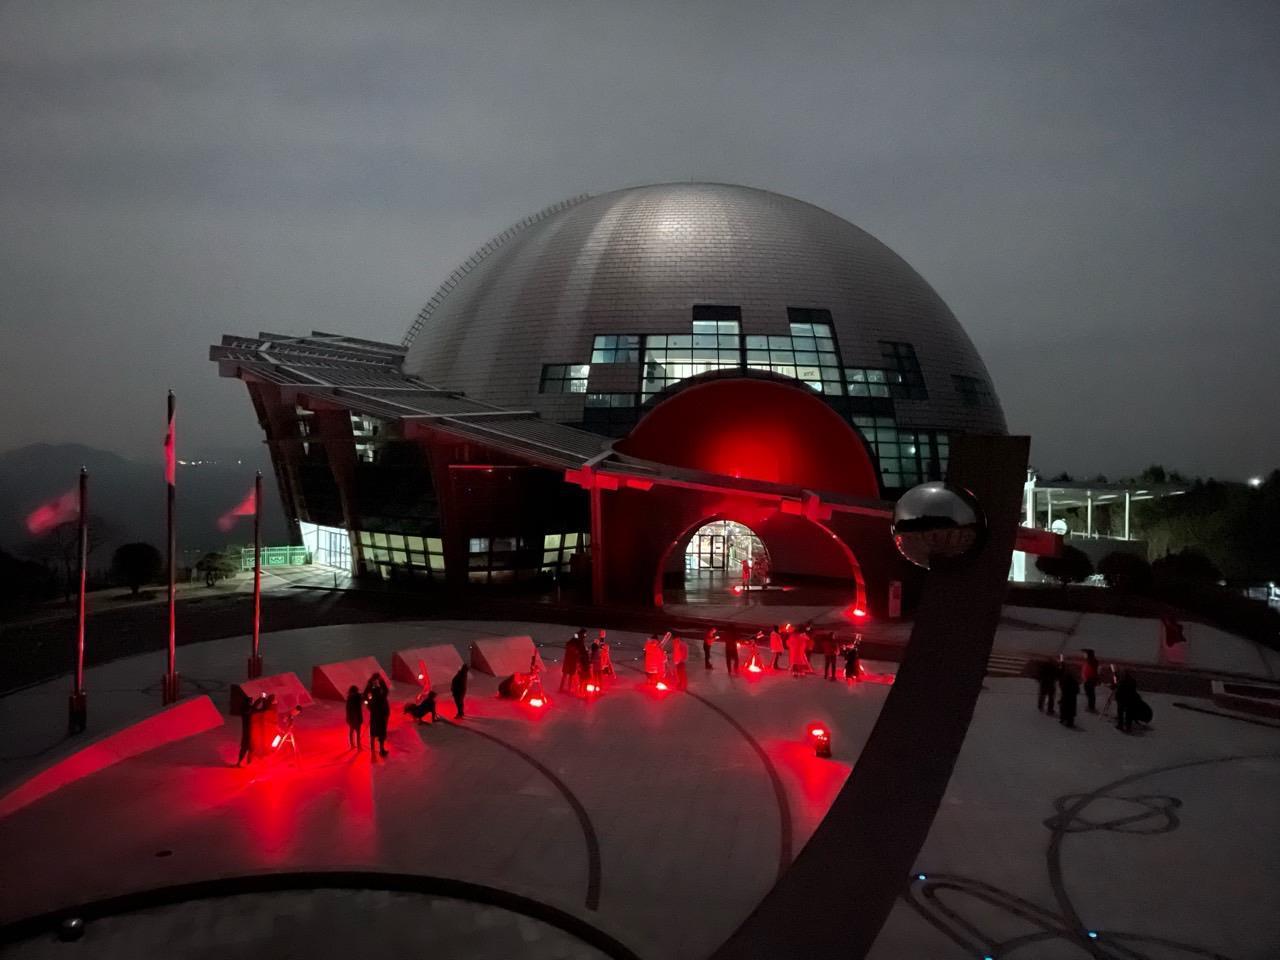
(817, 731)
(738, 588)
(661, 686)
(276, 742)
(592, 688)
(755, 668)
(859, 612)
(537, 702)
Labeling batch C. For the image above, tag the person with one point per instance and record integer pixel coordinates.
(798, 652)
(1047, 679)
(355, 717)
(830, 651)
(775, 646)
(746, 574)
(606, 659)
(680, 658)
(852, 663)
(458, 687)
(375, 695)
(731, 650)
(596, 660)
(423, 704)
(1089, 674)
(753, 652)
(654, 660)
(569, 665)
(258, 705)
(1126, 701)
(1070, 688)
(712, 636)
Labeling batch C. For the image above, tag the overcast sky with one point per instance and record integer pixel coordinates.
(1094, 187)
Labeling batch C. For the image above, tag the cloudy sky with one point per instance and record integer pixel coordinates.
(1094, 187)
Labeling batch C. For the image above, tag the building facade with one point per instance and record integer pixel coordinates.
(605, 377)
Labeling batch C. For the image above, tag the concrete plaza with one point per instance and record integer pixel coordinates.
(659, 820)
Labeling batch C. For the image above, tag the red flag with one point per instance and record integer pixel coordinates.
(48, 515)
(245, 508)
(170, 450)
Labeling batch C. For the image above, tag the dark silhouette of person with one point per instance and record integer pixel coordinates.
(569, 665)
(1047, 678)
(423, 705)
(1126, 701)
(259, 704)
(458, 687)
(1070, 688)
(712, 636)
(355, 717)
(1089, 674)
(731, 650)
(376, 696)
(830, 653)
(852, 663)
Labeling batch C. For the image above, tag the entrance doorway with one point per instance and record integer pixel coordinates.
(717, 551)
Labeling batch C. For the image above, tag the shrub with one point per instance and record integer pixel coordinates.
(1126, 572)
(134, 564)
(1188, 566)
(1070, 566)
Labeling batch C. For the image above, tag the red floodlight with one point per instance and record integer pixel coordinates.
(755, 668)
(661, 686)
(592, 688)
(820, 737)
(276, 742)
(537, 702)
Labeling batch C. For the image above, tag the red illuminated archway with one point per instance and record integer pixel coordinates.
(760, 429)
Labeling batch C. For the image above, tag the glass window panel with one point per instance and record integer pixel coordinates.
(399, 556)
(757, 342)
(435, 544)
(779, 343)
(757, 356)
(570, 539)
(415, 543)
(729, 342)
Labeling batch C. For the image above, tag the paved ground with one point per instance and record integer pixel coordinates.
(658, 820)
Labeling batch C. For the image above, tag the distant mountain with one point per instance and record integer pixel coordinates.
(129, 496)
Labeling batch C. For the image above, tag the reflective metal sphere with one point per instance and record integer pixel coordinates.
(934, 524)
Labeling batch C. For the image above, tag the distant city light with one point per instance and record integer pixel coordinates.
(1255, 482)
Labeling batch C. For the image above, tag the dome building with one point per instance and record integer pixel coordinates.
(710, 357)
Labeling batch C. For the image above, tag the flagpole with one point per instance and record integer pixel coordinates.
(78, 707)
(169, 693)
(255, 661)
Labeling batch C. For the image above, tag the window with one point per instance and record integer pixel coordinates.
(808, 354)
(714, 344)
(905, 457)
(558, 550)
(867, 381)
(624, 348)
(365, 430)
(612, 413)
(900, 359)
(423, 556)
(565, 378)
(974, 391)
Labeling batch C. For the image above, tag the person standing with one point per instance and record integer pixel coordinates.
(798, 652)
(711, 637)
(355, 717)
(596, 658)
(258, 705)
(606, 659)
(569, 665)
(654, 660)
(1070, 688)
(376, 696)
(458, 687)
(1047, 679)
(775, 646)
(830, 653)
(731, 650)
(1126, 701)
(680, 659)
(1089, 674)
(852, 663)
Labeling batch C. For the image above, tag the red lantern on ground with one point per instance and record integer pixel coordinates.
(820, 737)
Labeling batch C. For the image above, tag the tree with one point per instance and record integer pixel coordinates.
(1187, 566)
(1069, 566)
(216, 566)
(61, 546)
(1126, 572)
(24, 583)
(1153, 474)
(135, 564)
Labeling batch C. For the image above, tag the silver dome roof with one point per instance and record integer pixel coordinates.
(637, 260)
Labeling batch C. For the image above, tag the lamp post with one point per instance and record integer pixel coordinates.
(170, 682)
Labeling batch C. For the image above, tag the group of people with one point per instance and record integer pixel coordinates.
(376, 698)
(585, 666)
(1058, 679)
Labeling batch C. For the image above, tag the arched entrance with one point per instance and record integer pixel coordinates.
(717, 551)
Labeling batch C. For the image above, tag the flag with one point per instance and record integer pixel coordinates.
(245, 508)
(170, 450)
(57, 511)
